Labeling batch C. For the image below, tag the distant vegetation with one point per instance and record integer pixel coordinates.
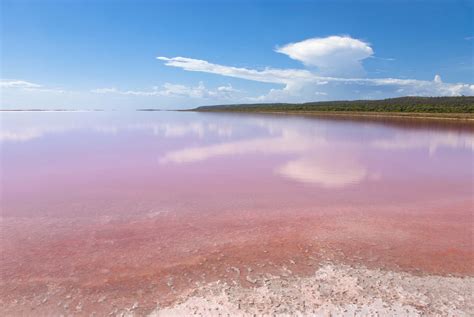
(395, 105)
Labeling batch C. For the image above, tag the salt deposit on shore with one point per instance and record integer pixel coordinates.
(338, 290)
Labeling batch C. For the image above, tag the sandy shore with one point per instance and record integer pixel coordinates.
(333, 290)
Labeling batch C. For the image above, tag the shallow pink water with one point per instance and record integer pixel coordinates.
(117, 204)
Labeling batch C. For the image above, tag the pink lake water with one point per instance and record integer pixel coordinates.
(105, 209)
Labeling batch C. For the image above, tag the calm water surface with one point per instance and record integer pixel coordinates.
(117, 204)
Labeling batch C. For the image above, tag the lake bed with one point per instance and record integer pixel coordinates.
(124, 212)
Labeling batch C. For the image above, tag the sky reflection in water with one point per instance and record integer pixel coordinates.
(166, 152)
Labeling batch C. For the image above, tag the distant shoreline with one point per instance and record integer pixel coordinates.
(409, 115)
(440, 108)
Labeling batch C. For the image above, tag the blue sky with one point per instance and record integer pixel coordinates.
(103, 54)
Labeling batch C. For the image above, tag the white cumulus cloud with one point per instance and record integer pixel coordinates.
(333, 55)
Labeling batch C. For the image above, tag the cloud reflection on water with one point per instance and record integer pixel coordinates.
(317, 161)
(272, 145)
(429, 140)
(326, 172)
(320, 152)
(23, 127)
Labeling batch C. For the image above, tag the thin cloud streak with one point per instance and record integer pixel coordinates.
(175, 90)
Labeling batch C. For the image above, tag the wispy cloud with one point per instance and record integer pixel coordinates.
(388, 59)
(268, 75)
(27, 86)
(175, 90)
(305, 84)
(19, 84)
